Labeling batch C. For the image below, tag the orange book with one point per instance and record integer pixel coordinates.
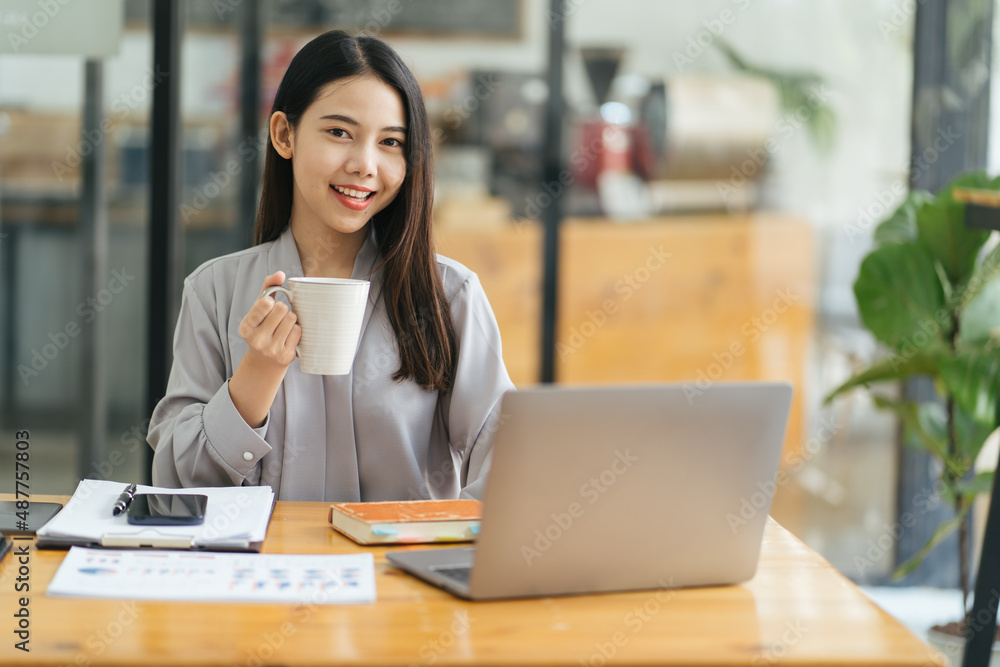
(408, 521)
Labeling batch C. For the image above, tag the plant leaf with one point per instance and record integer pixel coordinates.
(919, 422)
(972, 377)
(900, 296)
(980, 314)
(735, 59)
(970, 436)
(983, 275)
(823, 128)
(941, 229)
(981, 483)
(941, 532)
(895, 367)
(901, 226)
(967, 27)
(797, 92)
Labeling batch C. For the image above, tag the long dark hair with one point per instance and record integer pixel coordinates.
(411, 282)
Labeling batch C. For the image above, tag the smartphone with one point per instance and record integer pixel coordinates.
(167, 509)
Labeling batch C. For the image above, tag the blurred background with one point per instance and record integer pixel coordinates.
(723, 165)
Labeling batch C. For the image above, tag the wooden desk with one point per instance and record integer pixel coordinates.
(797, 611)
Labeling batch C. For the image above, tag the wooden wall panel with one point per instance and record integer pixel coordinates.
(508, 260)
(680, 299)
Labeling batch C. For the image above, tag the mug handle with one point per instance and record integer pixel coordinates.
(272, 290)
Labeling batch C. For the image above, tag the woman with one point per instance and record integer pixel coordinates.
(347, 192)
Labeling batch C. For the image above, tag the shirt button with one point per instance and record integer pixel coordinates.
(247, 456)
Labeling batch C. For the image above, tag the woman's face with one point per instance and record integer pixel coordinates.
(347, 154)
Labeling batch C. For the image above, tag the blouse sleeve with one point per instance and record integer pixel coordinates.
(198, 436)
(472, 406)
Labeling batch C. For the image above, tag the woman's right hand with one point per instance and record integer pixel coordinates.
(270, 328)
(272, 334)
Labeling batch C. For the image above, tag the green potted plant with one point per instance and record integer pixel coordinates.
(930, 292)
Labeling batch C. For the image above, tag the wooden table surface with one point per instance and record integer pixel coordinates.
(798, 610)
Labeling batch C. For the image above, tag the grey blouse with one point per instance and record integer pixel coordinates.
(361, 436)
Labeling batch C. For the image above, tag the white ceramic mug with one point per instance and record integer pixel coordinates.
(330, 311)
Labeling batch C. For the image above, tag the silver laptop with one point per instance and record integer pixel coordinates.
(620, 488)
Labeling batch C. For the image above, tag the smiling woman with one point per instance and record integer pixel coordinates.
(347, 193)
(349, 163)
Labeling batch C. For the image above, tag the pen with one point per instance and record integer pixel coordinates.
(5, 544)
(124, 500)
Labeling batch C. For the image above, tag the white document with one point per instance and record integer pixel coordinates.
(236, 519)
(215, 577)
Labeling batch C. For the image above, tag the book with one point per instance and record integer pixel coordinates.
(408, 521)
(236, 519)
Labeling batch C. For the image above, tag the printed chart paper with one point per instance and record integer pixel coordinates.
(216, 577)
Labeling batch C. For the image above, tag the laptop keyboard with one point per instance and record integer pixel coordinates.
(457, 573)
